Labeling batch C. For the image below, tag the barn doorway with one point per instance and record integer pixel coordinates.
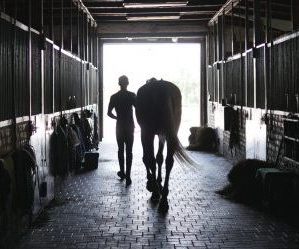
(176, 62)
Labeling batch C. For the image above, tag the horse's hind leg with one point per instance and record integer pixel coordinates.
(169, 164)
(149, 161)
(147, 141)
(159, 159)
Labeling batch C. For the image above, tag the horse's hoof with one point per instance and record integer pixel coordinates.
(155, 197)
(163, 206)
(150, 186)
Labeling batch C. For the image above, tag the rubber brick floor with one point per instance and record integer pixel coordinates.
(95, 210)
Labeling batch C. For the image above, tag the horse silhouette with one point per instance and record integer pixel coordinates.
(158, 112)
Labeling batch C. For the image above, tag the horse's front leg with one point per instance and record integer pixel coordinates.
(160, 159)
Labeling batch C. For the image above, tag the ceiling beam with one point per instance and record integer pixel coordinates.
(225, 9)
(151, 10)
(150, 29)
(101, 3)
(151, 18)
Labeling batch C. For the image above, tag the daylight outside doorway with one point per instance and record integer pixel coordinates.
(175, 62)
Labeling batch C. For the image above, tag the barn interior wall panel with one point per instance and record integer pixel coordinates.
(36, 86)
(48, 79)
(216, 82)
(228, 81)
(211, 87)
(238, 81)
(77, 82)
(6, 89)
(95, 90)
(262, 78)
(41, 80)
(84, 85)
(250, 80)
(20, 72)
(57, 81)
(281, 77)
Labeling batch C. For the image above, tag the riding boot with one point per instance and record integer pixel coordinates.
(121, 161)
(129, 157)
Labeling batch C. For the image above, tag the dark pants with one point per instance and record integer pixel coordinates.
(125, 137)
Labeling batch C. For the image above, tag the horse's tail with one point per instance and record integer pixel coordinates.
(174, 120)
(180, 153)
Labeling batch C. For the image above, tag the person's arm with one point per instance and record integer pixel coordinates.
(134, 99)
(110, 108)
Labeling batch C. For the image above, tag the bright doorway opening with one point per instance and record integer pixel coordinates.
(175, 62)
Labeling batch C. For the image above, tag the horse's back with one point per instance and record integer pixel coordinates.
(158, 106)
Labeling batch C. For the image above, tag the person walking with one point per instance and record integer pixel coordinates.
(122, 102)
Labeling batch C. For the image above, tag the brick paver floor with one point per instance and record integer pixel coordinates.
(95, 210)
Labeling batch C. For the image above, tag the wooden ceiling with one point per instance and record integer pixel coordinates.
(183, 17)
(143, 18)
(200, 11)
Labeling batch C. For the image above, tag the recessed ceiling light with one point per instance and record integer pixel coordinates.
(148, 18)
(154, 4)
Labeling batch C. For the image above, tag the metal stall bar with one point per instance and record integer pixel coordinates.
(204, 63)
(13, 79)
(53, 57)
(222, 56)
(30, 56)
(267, 53)
(71, 25)
(101, 102)
(42, 58)
(232, 28)
(256, 41)
(78, 31)
(246, 57)
(61, 24)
